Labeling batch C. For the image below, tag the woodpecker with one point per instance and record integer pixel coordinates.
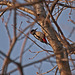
(39, 35)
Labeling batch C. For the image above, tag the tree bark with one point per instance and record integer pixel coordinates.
(49, 32)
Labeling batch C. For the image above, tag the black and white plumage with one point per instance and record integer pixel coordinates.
(39, 35)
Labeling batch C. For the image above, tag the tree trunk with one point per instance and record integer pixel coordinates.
(63, 65)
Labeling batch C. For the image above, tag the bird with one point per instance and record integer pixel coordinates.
(39, 36)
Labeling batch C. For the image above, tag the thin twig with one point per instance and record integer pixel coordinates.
(56, 71)
(22, 49)
(48, 71)
(35, 54)
(17, 5)
(59, 14)
(68, 6)
(10, 60)
(31, 25)
(29, 64)
(9, 36)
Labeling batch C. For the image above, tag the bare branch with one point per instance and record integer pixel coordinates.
(48, 71)
(38, 61)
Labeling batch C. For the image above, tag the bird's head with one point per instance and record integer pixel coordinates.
(33, 31)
